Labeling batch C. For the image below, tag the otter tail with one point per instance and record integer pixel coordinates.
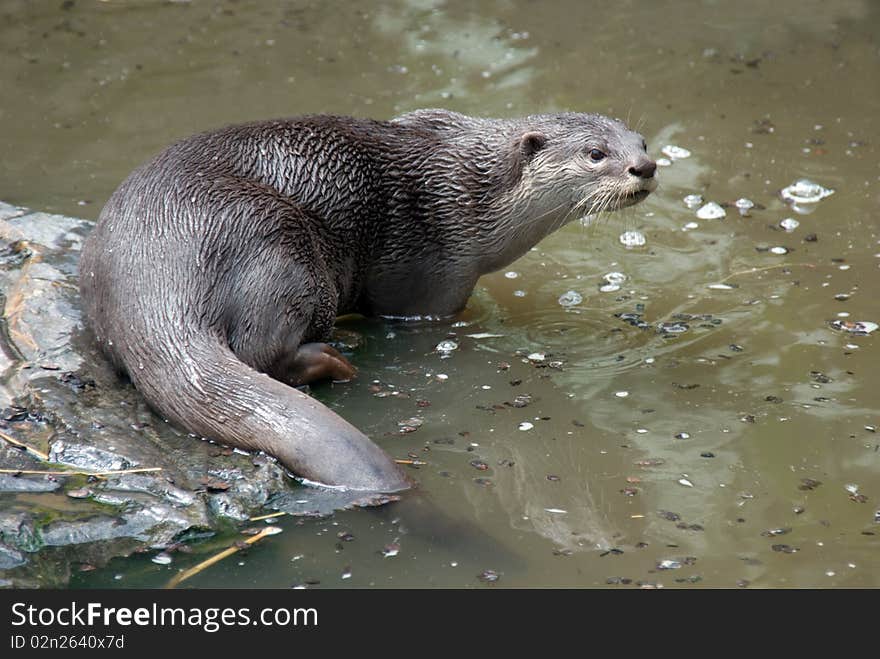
(199, 383)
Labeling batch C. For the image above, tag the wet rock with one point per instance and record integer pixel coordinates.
(10, 558)
(88, 420)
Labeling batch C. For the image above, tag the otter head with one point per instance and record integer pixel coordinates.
(582, 164)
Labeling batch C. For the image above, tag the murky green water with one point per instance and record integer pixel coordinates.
(703, 463)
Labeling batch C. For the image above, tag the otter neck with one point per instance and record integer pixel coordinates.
(504, 212)
(465, 213)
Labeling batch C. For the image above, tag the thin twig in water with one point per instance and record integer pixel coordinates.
(22, 445)
(98, 474)
(186, 574)
(768, 267)
(269, 516)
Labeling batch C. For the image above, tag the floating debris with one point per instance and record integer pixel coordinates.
(621, 394)
(721, 287)
(789, 224)
(771, 533)
(391, 550)
(690, 226)
(650, 462)
(479, 465)
(447, 346)
(785, 549)
(488, 576)
(685, 482)
(675, 152)
(410, 425)
(522, 400)
(711, 211)
(537, 357)
(779, 250)
(484, 335)
(744, 205)
(859, 327)
(161, 559)
(804, 191)
(693, 201)
(525, 425)
(669, 564)
(570, 299)
(683, 435)
(633, 239)
(556, 511)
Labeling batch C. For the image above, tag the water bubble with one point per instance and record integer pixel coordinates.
(446, 347)
(677, 327)
(519, 294)
(570, 299)
(683, 435)
(537, 357)
(161, 559)
(685, 482)
(621, 394)
(744, 204)
(675, 152)
(511, 274)
(779, 250)
(789, 224)
(525, 425)
(693, 201)
(663, 162)
(804, 191)
(632, 238)
(614, 277)
(609, 288)
(721, 287)
(690, 226)
(711, 211)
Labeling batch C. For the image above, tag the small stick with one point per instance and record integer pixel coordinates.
(33, 451)
(269, 516)
(186, 574)
(99, 474)
(769, 267)
(415, 463)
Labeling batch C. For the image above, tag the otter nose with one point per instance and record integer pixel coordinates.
(644, 169)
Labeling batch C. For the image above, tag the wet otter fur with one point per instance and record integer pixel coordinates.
(216, 270)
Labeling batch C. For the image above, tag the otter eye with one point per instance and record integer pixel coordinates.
(596, 155)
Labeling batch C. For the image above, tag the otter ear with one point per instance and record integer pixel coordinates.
(530, 143)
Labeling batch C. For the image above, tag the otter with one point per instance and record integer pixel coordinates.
(215, 272)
